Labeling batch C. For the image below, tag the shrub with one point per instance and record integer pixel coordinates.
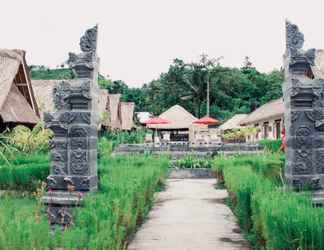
(239, 135)
(29, 141)
(191, 161)
(272, 146)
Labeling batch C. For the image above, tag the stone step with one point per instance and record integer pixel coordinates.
(319, 193)
(318, 198)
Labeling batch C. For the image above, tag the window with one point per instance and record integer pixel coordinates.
(278, 129)
(265, 130)
(257, 134)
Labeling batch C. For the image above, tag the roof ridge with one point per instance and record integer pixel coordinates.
(178, 106)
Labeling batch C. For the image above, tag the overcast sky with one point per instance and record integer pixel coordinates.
(138, 39)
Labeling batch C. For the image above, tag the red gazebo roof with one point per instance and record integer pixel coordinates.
(207, 121)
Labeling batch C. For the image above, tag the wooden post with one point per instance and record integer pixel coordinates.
(207, 94)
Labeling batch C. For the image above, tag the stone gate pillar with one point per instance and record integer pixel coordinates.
(304, 117)
(73, 169)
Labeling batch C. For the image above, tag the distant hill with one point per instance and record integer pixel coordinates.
(43, 73)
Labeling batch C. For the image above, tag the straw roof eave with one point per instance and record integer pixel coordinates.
(16, 109)
(268, 111)
(14, 106)
(250, 122)
(44, 96)
(10, 61)
(233, 123)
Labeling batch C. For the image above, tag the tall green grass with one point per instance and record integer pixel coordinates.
(124, 137)
(108, 218)
(271, 217)
(25, 172)
(268, 165)
(272, 146)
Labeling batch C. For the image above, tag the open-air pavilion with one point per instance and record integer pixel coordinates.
(177, 129)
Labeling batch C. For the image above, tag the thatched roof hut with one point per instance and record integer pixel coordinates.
(127, 115)
(113, 109)
(121, 114)
(102, 107)
(44, 94)
(17, 100)
(271, 110)
(178, 117)
(44, 97)
(113, 113)
(233, 123)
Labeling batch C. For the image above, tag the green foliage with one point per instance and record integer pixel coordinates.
(192, 161)
(124, 137)
(267, 165)
(289, 221)
(25, 172)
(104, 82)
(239, 135)
(107, 219)
(44, 73)
(6, 150)
(242, 183)
(272, 146)
(28, 141)
(21, 221)
(26, 161)
(232, 90)
(271, 217)
(105, 147)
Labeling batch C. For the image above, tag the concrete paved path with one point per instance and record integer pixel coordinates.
(190, 215)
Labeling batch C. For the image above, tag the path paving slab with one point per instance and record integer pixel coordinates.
(190, 215)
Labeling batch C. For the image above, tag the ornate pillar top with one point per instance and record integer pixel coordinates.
(84, 63)
(294, 38)
(298, 59)
(88, 42)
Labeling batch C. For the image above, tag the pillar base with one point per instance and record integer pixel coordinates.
(59, 205)
(318, 198)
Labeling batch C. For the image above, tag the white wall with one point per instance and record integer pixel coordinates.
(271, 129)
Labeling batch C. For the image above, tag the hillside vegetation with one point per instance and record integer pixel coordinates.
(232, 90)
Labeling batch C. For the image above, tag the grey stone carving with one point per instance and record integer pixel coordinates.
(73, 169)
(304, 115)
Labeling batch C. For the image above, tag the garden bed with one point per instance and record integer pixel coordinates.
(270, 217)
(107, 220)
